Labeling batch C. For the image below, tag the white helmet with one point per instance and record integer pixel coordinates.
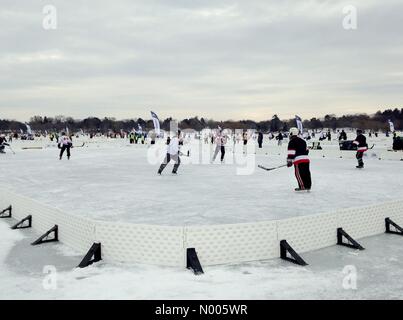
(294, 131)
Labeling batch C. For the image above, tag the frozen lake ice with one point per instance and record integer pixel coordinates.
(114, 181)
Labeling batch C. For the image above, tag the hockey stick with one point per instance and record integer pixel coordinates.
(270, 169)
(183, 155)
(80, 146)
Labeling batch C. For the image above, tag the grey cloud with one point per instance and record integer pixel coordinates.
(215, 58)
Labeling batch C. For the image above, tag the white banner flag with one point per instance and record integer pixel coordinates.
(298, 120)
(392, 127)
(28, 129)
(156, 122)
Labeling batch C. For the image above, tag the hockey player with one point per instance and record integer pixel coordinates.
(172, 153)
(362, 146)
(298, 155)
(3, 143)
(65, 143)
(280, 138)
(220, 141)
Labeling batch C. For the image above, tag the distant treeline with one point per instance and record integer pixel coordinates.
(378, 121)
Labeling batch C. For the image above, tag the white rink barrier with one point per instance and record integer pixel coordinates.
(216, 244)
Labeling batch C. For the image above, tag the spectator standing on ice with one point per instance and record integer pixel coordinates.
(220, 141)
(298, 156)
(245, 138)
(131, 138)
(172, 153)
(65, 144)
(180, 139)
(343, 135)
(238, 138)
(153, 136)
(279, 139)
(260, 139)
(362, 146)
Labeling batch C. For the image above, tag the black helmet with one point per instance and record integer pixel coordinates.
(359, 131)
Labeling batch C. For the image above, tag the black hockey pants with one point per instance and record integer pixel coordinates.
(303, 175)
(219, 148)
(359, 156)
(67, 148)
(168, 158)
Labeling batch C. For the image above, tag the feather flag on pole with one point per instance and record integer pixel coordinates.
(156, 122)
(298, 120)
(391, 125)
(28, 128)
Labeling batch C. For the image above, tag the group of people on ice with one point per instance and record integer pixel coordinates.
(297, 154)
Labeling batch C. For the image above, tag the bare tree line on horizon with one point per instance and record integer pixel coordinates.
(376, 122)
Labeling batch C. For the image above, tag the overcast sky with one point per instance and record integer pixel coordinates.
(212, 58)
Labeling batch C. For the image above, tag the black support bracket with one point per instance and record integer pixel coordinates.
(8, 211)
(295, 257)
(396, 228)
(93, 255)
(45, 237)
(192, 261)
(351, 242)
(22, 224)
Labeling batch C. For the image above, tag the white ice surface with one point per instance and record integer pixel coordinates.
(113, 181)
(379, 273)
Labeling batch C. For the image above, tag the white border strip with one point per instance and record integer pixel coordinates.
(216, 244)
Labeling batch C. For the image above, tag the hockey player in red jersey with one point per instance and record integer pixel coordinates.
(362, 146)
(298, 156)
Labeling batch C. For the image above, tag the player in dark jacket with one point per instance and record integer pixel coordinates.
(298, 156)
(3, 143)
(260, 139)
(362, 146)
